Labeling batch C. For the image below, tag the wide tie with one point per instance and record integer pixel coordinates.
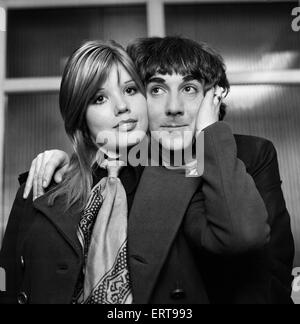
(106, 279)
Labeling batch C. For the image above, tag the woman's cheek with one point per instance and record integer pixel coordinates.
(97, 120)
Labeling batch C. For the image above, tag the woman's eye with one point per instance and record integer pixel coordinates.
(131, 91)
(100, 100)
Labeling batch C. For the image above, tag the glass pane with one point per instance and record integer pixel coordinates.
(33, 124)
(255, 36)
(39, 40)
(273, 112)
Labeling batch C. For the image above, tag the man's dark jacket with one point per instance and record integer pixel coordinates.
(190, 240)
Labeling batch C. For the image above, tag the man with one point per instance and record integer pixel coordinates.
(176, 254)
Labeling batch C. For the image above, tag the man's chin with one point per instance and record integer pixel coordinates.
(175, 144)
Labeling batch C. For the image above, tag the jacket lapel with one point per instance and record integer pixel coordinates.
(159, 206)
(65, 222)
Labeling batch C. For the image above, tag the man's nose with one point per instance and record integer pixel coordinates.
(174, 107)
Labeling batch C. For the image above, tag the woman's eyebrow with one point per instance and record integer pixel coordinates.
(129, 81)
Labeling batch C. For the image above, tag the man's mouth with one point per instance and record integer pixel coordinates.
(127, 125)
(174, 127)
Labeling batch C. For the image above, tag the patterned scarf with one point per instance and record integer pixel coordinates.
(102, 233)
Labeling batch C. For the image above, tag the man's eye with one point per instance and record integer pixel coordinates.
(190, 89)
(99, 100)
(131, 91)
(156, 91)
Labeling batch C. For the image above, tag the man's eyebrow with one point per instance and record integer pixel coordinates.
(156, 80)
(189, 77)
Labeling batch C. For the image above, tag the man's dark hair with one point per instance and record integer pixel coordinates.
(179, 55)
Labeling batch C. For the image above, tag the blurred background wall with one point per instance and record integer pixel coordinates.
(261, 50)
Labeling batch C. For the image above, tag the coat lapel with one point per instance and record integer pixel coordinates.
(159, 206)
(65, 222)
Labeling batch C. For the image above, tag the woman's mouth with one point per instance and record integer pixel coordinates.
(127, 125)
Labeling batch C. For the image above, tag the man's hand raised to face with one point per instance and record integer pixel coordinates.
(42, 170)
(210, 109)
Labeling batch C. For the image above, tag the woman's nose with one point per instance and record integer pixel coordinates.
(121, 107)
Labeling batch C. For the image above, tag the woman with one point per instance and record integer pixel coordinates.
(101, 94)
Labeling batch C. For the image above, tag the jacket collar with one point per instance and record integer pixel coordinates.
(66, 222)
(159, 206)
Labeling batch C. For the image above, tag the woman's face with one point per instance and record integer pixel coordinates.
(117, 118)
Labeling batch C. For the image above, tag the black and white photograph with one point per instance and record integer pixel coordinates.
(150, 154)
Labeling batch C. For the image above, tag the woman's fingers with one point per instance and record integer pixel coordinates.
(38, 164)
(29, 182)
(40, 175)
(42, 170)
(60, 174)
(58, 159)
(48, 173)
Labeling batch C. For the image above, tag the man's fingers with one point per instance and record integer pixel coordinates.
(209, 97)
(29, 182)
(218, 96)
(209, 100)
(209, 110)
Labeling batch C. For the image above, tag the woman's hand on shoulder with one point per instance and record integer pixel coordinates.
(43, 168)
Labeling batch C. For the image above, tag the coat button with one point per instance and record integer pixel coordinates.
(22, 298)
(22, 261)
(178, 293)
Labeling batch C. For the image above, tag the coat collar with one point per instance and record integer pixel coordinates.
(160, 204)
(66, 222)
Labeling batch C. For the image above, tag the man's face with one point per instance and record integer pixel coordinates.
(173, 105)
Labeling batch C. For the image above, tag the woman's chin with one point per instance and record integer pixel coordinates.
(134, 138)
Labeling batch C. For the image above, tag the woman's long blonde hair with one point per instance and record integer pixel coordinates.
(85, 72)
